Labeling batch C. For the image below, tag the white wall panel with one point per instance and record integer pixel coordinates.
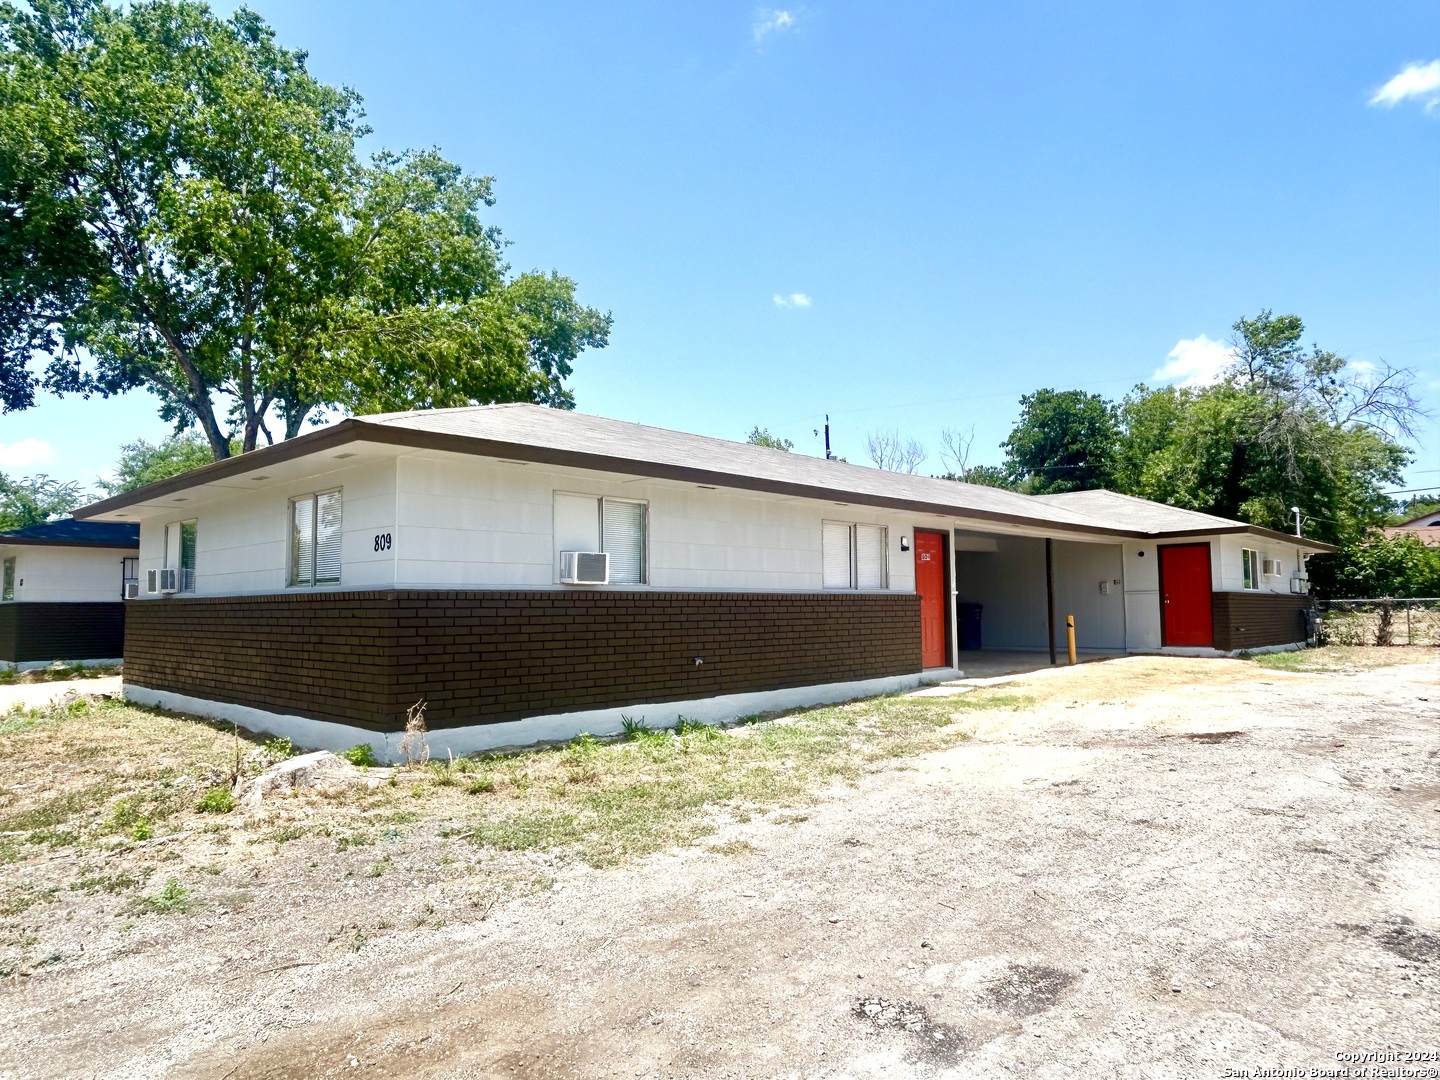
(66, 575)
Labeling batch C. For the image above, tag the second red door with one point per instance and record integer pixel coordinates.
(930, 584)
(1185, 595)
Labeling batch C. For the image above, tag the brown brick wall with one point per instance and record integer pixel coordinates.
(483, 657)
(32, 631)
(1252, 620)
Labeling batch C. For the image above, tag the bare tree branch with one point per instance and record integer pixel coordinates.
(955, 450)
(889, 452)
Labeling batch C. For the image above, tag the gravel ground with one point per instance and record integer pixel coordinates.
(37, 694)
(1132, 879)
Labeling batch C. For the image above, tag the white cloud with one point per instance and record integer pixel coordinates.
(1196, 361)
(26, 452)
(795, 299)
(1421, 81)
(772, 20)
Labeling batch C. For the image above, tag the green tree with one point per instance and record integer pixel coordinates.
(1400, 568)
(34, 500)
(144, 463)
(761, 437)
(985, 476)
(182, 208)
(1285, 427)
(1065, 441)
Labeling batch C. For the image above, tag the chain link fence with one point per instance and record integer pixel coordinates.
(1380, 622)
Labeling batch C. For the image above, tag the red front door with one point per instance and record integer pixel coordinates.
(1185, 595)
(930, 584)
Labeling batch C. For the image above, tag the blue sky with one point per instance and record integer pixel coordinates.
(906, 215)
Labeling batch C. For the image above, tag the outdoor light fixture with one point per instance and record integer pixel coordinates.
(904, 543)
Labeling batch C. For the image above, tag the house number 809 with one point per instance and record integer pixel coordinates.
(382, 542)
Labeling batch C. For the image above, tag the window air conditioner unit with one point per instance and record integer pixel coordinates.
(1299, 584)
(132, 590)
(169, 581)
(152, 581)
(1270, 568)
(584, 568)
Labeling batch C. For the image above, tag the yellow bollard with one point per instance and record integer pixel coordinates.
(1070, 635)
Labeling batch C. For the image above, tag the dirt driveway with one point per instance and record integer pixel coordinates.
(1138, 875)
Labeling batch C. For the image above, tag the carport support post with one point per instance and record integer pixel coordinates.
(1050, 595)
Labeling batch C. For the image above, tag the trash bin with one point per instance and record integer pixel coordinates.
(969, 625)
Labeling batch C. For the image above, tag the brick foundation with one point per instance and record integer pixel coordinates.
(1253, 620)
(482, 657)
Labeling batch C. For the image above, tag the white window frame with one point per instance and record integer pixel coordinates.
(186, 576)
(1251, 561)
(292, 577)
(606, 500)
(853, 534)
(9, 573)
(600, 502)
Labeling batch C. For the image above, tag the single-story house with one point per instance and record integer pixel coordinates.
(531, 573)
(1425, 528)
(62, 587)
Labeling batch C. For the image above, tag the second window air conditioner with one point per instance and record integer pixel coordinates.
(584, 568)
(132, 590)
(169, 581)
(1270, 568)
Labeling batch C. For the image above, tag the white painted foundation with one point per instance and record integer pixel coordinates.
(329, 735)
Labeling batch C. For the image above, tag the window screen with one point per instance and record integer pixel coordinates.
(315, 538)
(187, 556)
(854, 556)
(835, 553)
(622, 537)
(870, 557)
(7, 589)
(327, 538)
(1251, 560)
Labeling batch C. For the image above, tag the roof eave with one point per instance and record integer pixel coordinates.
(345, 431)
(35, 541)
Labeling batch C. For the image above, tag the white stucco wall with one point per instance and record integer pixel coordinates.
(1010, 582)
(53, 574)
(462, 521)
(1099, 616)
(241, 543)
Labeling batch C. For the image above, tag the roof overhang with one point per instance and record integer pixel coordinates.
(34, 541)
(358, 430)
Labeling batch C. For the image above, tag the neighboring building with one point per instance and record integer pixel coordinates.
(61, 592)
(319, 587)
(1426, 527)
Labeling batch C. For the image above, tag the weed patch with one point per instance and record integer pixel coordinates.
(216, 800)
(173, 899)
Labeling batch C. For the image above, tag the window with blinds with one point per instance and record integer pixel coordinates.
(622, 537)
(180, 553)
(315, 538)
(854, 556)
(7, 588)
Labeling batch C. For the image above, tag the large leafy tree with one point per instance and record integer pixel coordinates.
(144, 462)
(1285, 427)
(33, 500)
(182, 208)
(1065, 441)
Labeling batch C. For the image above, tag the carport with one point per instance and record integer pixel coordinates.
(1027, 585)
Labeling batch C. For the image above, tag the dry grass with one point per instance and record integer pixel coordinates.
(1343, 658)
(98, 777)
